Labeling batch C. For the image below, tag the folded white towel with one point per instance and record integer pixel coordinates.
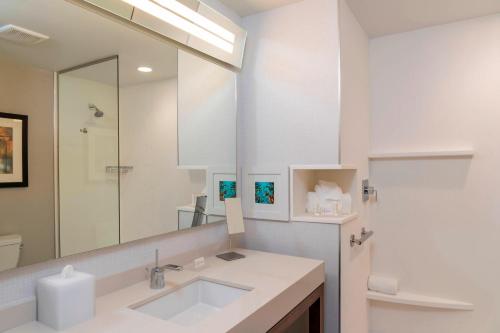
(312, 202)
(327, 184)
(383, 285)
(328, 190)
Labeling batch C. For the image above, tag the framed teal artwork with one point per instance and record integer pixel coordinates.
(265, 193)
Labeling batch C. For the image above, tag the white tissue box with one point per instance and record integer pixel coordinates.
(66, 299)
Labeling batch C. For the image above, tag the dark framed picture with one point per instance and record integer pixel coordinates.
(13, 150)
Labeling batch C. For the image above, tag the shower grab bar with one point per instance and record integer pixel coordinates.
(364, 237)
(119, 169)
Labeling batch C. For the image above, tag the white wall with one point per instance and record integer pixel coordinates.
(288, 92)
(221, 8)
(148, 142)
(355, 144)
(310, 240)
(207, 113)
(89, 201)
(436, 221)
(289, 114)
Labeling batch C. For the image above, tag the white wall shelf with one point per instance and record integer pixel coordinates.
(192, 167)
(307, 217)
(420, 300)
(304, 177)
(458, 153)
(322, 167)
(186, 208)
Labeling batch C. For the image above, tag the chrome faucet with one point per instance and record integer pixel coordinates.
(157, 273)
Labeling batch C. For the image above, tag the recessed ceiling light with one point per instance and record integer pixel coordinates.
(145, 69)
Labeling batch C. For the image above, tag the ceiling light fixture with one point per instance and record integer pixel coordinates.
(189, 14)
(144, 69)
(182, 23)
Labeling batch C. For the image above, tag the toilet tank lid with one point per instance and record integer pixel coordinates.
(10, 240)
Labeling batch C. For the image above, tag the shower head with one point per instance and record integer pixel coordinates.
(97, 112)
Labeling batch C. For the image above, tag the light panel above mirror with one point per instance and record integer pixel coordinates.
(188, 22)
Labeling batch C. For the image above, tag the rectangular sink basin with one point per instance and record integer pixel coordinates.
(192, 303)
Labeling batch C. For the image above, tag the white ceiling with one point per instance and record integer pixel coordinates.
(104, 72)
(383, 17)
(249, 7)
(78, 36)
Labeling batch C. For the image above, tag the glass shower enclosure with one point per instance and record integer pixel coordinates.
(88, 156)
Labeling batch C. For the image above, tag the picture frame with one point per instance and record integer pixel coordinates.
(13, 150)
(221, 183)
(265, 193)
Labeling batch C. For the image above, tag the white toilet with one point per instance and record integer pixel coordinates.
(10, 250)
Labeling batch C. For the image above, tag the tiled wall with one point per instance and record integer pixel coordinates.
(437, 89)
(19, 285)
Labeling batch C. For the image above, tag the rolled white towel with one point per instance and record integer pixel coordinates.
(383, 285)
(346, 204)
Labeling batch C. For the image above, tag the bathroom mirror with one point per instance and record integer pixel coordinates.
(126, 137)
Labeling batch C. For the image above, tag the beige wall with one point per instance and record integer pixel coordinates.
(30, 211)
(436, 222)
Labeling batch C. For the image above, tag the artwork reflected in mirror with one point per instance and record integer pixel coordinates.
(227, 189)
(111, 130)
(6, 150)
(13, 150)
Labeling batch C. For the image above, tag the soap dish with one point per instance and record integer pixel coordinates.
(230, 256)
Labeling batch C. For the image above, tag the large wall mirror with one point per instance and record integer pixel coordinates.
(107, 135)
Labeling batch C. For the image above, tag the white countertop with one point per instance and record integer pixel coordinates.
(278, 284)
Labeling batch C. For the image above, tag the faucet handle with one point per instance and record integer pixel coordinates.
(172, 267)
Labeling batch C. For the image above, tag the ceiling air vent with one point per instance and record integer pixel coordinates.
(20, 35)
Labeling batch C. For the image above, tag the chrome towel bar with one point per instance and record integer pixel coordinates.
(364, 237)
(119, 169)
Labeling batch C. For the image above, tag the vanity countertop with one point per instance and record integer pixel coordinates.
(278, 284)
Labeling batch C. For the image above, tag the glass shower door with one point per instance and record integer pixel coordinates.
(88, 157)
